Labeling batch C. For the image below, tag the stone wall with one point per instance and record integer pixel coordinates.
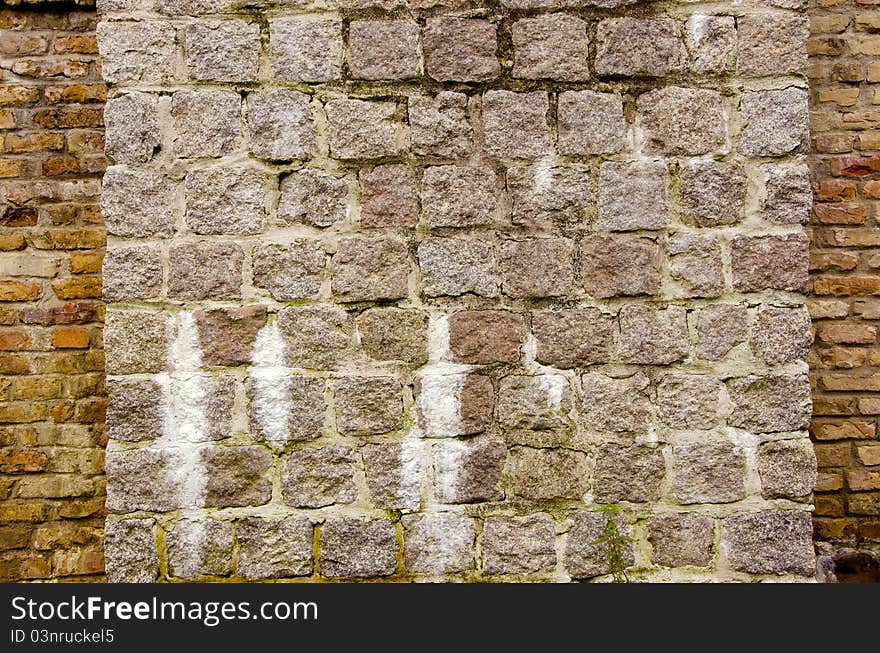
(844, 73)
(51, 236)
(409, 290)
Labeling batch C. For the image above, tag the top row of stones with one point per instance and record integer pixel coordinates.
(311, 49)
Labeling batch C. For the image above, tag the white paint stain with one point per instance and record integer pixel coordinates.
(449, 457)
(553, 387)
(543, 176)
(271, 403)
(698, 25)
(441, 381)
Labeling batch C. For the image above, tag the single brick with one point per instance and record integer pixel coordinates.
(370, 269)
(721, 328)
(388, 196)
(438, 542)
(772, 44)
(361, 129)
(789, 194)
(134, 52)
(653, 337)
(314, 478)
(137, 203)
(135, 342)
(223, 51)
(585, 556)
(682, 120)
(518, 545)
(133, 272)
(199, 547)
(313, 197)
(770, 542)
(549, 473)
(130, 550)
(628, 473)
(132, 127)
(384, 49)
(452, 266)
(357, 547)
(515, 124)
(688, 401)
(544, 196)
(394, 473)
(573, 337)
(537, 268)
(227, 335)
(440, 125)
(206, 123)
(281, 125)
(633, 196)
(708, 473)
(770, 262)
(534, 402)
(681, 539)
(770, 404)
(368, 405)
(620, 405)
(712, 193)
(460, 49)
(553, 46)
(712, 42)
(619, 265)
(394, 334)
(205, 270)
(315, 337)
(637, 47)
(467, 472)
(484, 337)
(225, 201)
(590, 122)
(776, 122)
(787, 469)
(782, 335)
(458, 196)
(274, 548)
(294, 271)
(695, 263)
(305, 50)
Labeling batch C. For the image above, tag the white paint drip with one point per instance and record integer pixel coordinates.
(412, 470)
(543, 177)
(553, 387)
(449, 457)
(271, 379)
(441, 381)
(698, 24)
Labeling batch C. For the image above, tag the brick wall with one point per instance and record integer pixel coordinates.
(845, 261)
(51, 235)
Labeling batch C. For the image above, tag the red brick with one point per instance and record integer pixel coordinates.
(842, 213)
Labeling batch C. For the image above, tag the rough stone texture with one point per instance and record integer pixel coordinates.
(611, 404)
(206, 123)
(440, 124)
(228, 334)
(295, 271)
(384, 49)
(682, 120)
(131, 481)
(305, 50)
(653, 337)
(515, 124)
(774, 262)
(131, 551)
(394, 334)
(553, 46)
(628, 473)
(456, 196)
(137, 203)
(537, 268)
(549, 473)
(712, 193)
(199, 547)
(770, 542)
(132, 273)
(534, 402)
(712, 42)
(721, 328)
(225, 201)
(274, 548)
(708, 473)
(316, 337)
(787, 468)
(237, 476)
(460, 49)
(353, 547)
(483, 337)
(367, 405)
(370, 269)
(135, 342)
(688, 401)
(518, 545)
(389, 483)
(134, 410)
(314, 478)
(789, 196)
(772, 44)
(280, 123)
(223, 51)
(132, 121)
(770, 404)
(364, 130)
(583, 556)
(681, 539)
(134, 52)
(633, 196)
(617, 265)
(573, 338)
(306, 407)
(590, 122)
(313, 197)
(452, 266)
(635, 47)
(388, 197)
(543, 196)
(782, 335)
(438, 543)
(468, 472)
(205, 270)
(776, 122)
(695, 264)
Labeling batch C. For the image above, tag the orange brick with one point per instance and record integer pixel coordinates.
(77, 44)
(69, 117)
(829, 506)
(864, 503)
(11, 167)
(869, 405)
(51, 67)
(23, 461)
(7, 119)
(70, 338)
(845, 96)
(833, 143)
(861, 480)
(37, 387)
(845, 286)
(19, 291)
(869, 454)
(86, 262)
(847, 430)
(17, 95)
(871, 189)
(834, 529)
(77, 288)
(841, 213)
(842, 357)
(834, 190)
(847, 333)
(14, 364)
(16, 143)
(829, 481)
(14, 339)
(67, 239)
(11, 242)
(833, 261)
(80, 93)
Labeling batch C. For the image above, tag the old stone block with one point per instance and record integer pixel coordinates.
(653, 337)
(770, 542)
(227, 335)
(136, 52)
(199, 547)
(237, 476)
(454, 404)
(206, 123)
(534, 402)
(695, 263)
(611, 404)
(274, 548)
(358, 547)
(314, 478)
(135, 342)
(301, 405)
(314, 197)
(515, 124)
(709, 473)
(688, 401)
(712, 42)
(770, 404)
(590, 122)
(787, 469)
(225, 201)
(132, 127)
(712, 193)
(305, 50)
(460, 49)
(681, 539)
(467, 472)
(394, 473)
(438, 543)
(633, 473)
(368, 405)
(789, 195)
(361, 129)
(782, 335)
(584, 557)
(637, 47)
(553, 46)
(293, 271)
(772, 44)
(133, 272)
(633, 195)
(543, 195)
(223, 51)
(452, 266)
(130, 550)
(205, 270)
(484, 337)
(721, 328)
(316, 337)
(680, 120)
(370, 269)
(518, 545)
(458, 196)
(281, 126)
(770, 262)
(394, 334)
(384, 49)
(440, 125)
(137, 203)
(549, 473)
(618, 265)
(388, 196)
(777, 122)
(135, 410)
(537, 268)
(138, 479)
(573, 337)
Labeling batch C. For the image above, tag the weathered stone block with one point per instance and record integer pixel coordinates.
(281, 125)
(440, 125)
(782, 335)
(537, 268)
(712, 193)
(628, 473)
(460, 49)
(199, 547)
(454, 404)
(314, 197)
(680, 120)
(695, 263)
(137, 203)
(637, 47)
(772, 44)
(518, 545)
(316, 337)
(770, 262)
(777, 122)
(467, 472)
(384, 49)
(133, 272)
(515, 124)
(456, 196)
(368, 405)
(388, 197)
(553, 46)
(135, 409)
(226, 201)
(205, 270)
(452, 266)
(653, 337)
(688, 401)
(543, 196)
(138, 479)
(227, 335)
(370, 269)
(721, 328)
(681, 539)
(358, 547)
(633, 195)
(135, 342)
(709, 473)
(206, 123)
(438, 543)
(787, 469)
(584, 557)
(712, 42)
(294, 271)
(770, 542)
(223, 51)
(394, 473)
(132, 127)
(237, 476)
(305, 50)
(573, 337)
(590, 122)
(484, 337)
(274, 548)
(302, 408)
(534, 402)
(361, 129)
(136, 52)
(618, 265)
(314, 478)
(394, 334)
(789, 196)
(549, 473)
(770, 404)
(130, 550)
(476, 404)
(611, 404)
